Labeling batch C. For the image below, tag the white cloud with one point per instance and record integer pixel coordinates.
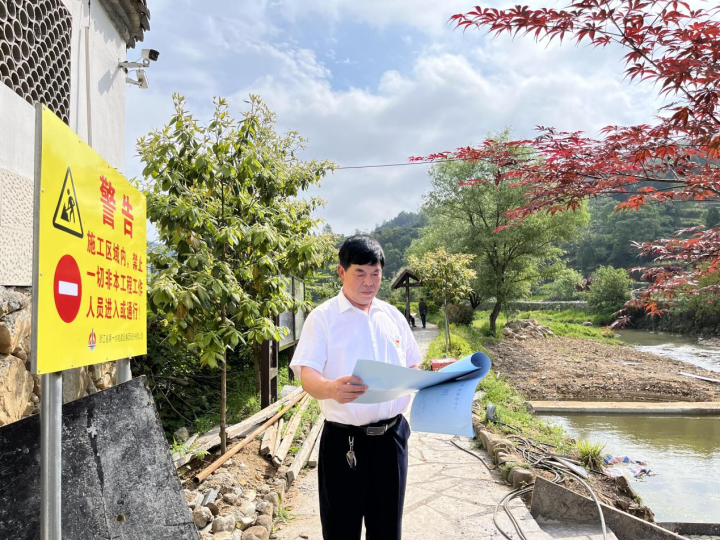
(452, 93)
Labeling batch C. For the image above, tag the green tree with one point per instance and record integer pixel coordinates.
(224, 197)
(609, 291)
(610, 235)
(447, 278)
(565, 285)
(474, 219)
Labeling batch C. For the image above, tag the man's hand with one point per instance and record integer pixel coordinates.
(343, 389)
(347, 389)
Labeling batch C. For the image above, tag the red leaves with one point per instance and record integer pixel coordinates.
(669, 45)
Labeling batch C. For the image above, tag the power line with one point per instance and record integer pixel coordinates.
(400, 164)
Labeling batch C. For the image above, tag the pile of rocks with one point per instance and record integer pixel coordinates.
(19, 390)
(223, 510)
(523, 329)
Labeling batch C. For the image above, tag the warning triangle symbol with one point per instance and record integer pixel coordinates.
(67, 212)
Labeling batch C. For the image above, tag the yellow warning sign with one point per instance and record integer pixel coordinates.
(90, 273)
(67, 213)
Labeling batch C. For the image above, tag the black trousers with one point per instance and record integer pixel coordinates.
(375, 490)
(422, 316)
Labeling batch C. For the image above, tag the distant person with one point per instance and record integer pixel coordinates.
(362, 470)
(422, 308)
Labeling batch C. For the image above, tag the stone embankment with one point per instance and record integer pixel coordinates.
(20, 390)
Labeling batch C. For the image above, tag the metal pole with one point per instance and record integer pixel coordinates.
(123, 371)
(51, 456)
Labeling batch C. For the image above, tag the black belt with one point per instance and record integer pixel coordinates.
(377, 428)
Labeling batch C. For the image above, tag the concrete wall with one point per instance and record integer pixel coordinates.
(17, 132)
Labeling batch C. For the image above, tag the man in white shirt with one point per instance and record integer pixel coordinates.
(362, 469)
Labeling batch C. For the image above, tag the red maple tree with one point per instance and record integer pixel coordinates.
(673, 158)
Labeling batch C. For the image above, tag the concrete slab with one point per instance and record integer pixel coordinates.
(621, 407)
(575, 531)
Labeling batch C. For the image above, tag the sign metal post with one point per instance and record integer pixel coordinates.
(51, 456)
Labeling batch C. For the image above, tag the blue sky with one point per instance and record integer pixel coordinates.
(374, 82)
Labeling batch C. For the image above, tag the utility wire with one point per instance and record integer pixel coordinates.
(400, 164)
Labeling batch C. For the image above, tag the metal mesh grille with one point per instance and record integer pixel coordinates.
(35, 52)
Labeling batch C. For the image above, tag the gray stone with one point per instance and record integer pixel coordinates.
(245, 522)
(230, 498)
(182, 434)
(265, 508)
(265, 521)
(237, 535)
(520, 476)
(16, 386)
(223, 535)
(11, 301)
(250, 537)
(261, 533)
(223, 523)
(14, 328)
(202, 516)
(20, 353)
(250, 495)
(246, 508)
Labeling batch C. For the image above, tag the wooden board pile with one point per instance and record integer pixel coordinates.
(277, 437)
(276, 442)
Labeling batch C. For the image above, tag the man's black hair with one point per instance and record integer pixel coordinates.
(361, 249)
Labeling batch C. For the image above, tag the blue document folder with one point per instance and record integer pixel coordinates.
(443, 403)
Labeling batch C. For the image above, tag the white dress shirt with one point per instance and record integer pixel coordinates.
(336, 335)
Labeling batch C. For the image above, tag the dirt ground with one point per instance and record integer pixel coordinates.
(562, 368)
(248, 468)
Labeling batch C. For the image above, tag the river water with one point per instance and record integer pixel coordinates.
(683, 452)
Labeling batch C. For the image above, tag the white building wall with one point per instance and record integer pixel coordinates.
(17, 132)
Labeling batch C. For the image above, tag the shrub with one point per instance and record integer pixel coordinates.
(460, 314)
(565, 286)
(610, 290)
(459, 347)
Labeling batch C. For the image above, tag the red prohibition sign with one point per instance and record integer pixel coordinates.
(67, 288)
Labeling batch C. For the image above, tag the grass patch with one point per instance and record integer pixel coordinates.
(567, 323)
(591, 454)
(512, 416)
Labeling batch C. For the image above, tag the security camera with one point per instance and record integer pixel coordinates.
(150, 54)
(146, 56)
(141, 81)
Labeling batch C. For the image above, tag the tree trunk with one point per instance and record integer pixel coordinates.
(256, 364)
(223, 404)
(493, 317)
(447, 331)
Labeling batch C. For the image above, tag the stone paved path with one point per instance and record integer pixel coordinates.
(450, 494)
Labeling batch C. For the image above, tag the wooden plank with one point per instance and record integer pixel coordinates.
(277, 439)
(302, 456)
(268, 440)
(708, 379)
(212, 438)
(315, 454)
(289, 435)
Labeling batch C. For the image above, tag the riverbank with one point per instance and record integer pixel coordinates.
(566, 368)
